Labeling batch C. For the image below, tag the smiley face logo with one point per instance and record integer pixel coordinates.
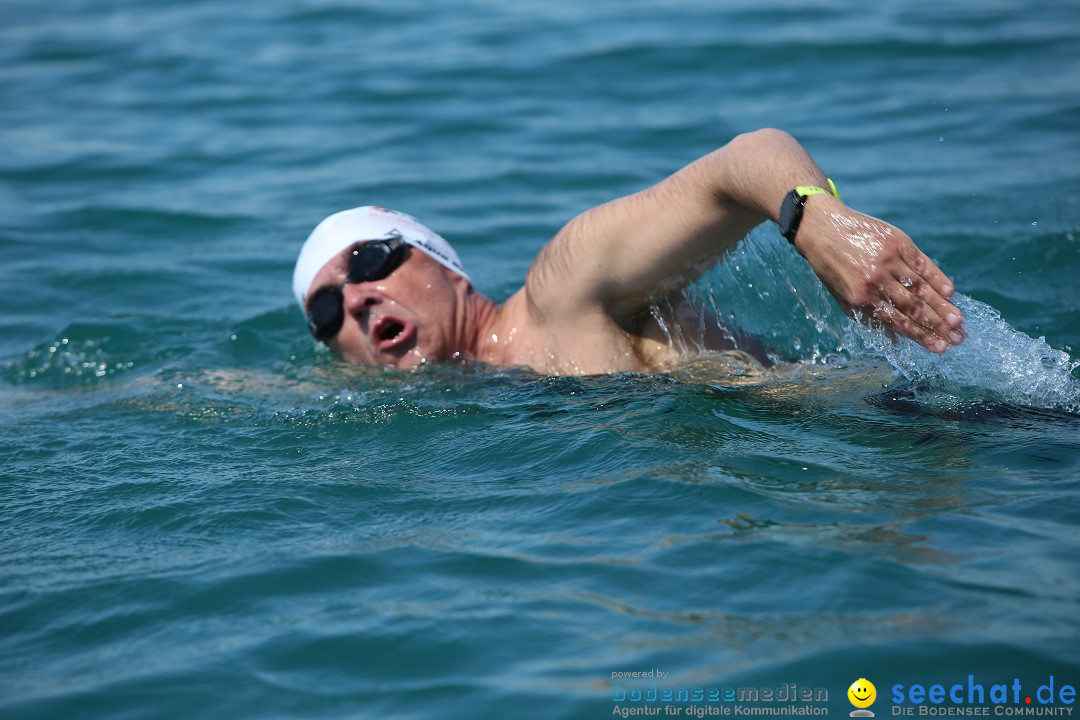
(862, 694)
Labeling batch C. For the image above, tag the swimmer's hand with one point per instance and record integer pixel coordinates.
(878, 275)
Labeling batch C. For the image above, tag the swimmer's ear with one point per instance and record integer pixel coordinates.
(458, 280)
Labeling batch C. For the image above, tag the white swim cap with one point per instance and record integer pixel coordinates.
(370, 222)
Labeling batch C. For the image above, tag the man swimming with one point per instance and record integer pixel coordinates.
(379, 288)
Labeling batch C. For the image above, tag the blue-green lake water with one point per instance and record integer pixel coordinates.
(204, 515)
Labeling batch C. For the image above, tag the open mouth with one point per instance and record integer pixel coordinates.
(389, 333)
(389, 330)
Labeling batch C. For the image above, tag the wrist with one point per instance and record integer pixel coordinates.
(794, 205)
(818, 224)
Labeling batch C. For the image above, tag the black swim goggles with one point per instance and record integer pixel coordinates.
(370, 260)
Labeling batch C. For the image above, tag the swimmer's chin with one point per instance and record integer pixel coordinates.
(410, 362)
(406, 359)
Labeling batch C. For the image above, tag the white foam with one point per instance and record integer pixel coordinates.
(995, 357)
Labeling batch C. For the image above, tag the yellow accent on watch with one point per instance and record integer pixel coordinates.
(811, 190)
(791, 209)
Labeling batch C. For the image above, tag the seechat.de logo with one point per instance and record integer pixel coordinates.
(862, 695)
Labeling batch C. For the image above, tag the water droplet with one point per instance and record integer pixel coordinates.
(494, 338)
(941, 139)
(1034, 223)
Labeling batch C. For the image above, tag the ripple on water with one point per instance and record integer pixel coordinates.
(88, 353)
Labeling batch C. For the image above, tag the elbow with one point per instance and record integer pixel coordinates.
(763, 138)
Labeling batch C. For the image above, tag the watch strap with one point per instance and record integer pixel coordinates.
(791, 209)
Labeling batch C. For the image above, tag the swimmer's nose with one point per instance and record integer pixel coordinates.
(359, 299)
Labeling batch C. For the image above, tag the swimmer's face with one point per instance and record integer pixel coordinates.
(862, 693)
(405, 320)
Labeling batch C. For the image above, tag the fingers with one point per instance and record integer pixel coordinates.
(893, 322)
(937, 286)
(913, 302)
(926, 308)
(910, 311)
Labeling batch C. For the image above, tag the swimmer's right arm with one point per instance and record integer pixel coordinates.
(624, 254)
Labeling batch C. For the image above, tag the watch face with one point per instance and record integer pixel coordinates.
(790, 214)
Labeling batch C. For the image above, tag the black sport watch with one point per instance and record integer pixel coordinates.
(791, 209)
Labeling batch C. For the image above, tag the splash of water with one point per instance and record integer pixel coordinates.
(764, 289)
(994, 357)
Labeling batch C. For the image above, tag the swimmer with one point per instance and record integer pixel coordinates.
(380, 288)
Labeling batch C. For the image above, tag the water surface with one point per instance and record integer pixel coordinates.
(203, 514)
